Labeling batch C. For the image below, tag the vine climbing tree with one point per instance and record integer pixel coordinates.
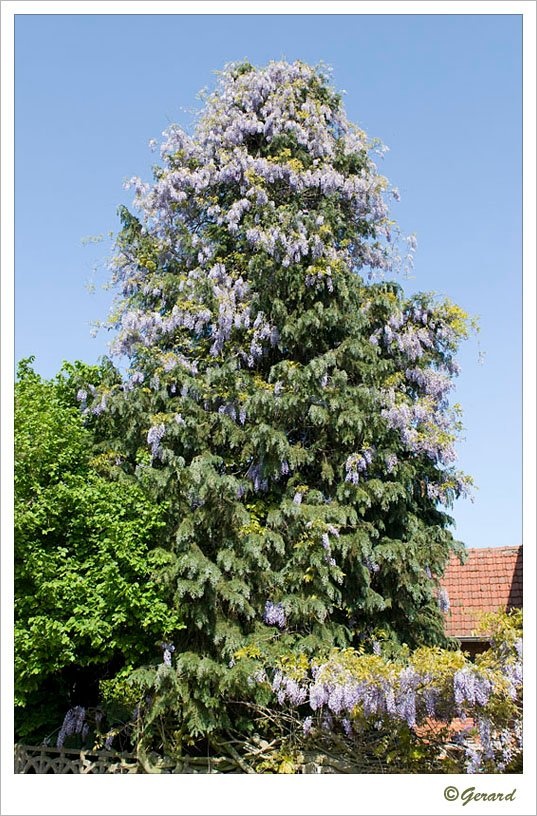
(284, 401)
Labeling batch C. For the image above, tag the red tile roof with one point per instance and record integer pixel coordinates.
(490, 580)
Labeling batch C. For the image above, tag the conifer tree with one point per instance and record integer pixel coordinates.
(284, 398)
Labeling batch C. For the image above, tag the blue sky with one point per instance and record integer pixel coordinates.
(442, 91)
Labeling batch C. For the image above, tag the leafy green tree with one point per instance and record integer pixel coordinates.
(86, 604)
(287, 403)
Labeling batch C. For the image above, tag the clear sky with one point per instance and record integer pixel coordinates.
(443, 92)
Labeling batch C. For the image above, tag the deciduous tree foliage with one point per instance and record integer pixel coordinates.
(85, 604)
(285, 402)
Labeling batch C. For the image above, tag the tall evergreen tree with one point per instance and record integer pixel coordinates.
(287, 402)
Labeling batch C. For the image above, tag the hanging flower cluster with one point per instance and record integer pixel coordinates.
(443, 600)
(287, 402)
(416, 406)
(352, 691)
(167, 651)
(358, 463)
(274, 614)
(74, 722)
(266, 138)
(275, 195)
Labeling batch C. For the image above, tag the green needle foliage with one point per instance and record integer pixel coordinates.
(286, 406)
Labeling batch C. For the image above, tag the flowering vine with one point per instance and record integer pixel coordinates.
(284, 400)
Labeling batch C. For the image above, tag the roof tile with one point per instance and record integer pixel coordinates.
(490, 580)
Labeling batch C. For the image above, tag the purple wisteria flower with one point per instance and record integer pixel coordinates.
(464, 686)
(469, 685)
(289, 689)
(485, 736)
(473, 759)
(371, 564)
(443, 600)
(482, 689)
(513, 673)
(307, 725)
(274, 615)
(99, 407)
(266, 104)
(406, 695)
(431, 696)
(167, 650)
(154, 438)
(73, 723)
(255, 475)
(357, 463)
(391, 462)
(335, 698)
(318, 696)
(409, 681)
(347, 726)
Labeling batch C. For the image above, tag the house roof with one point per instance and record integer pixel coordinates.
(489, 580)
